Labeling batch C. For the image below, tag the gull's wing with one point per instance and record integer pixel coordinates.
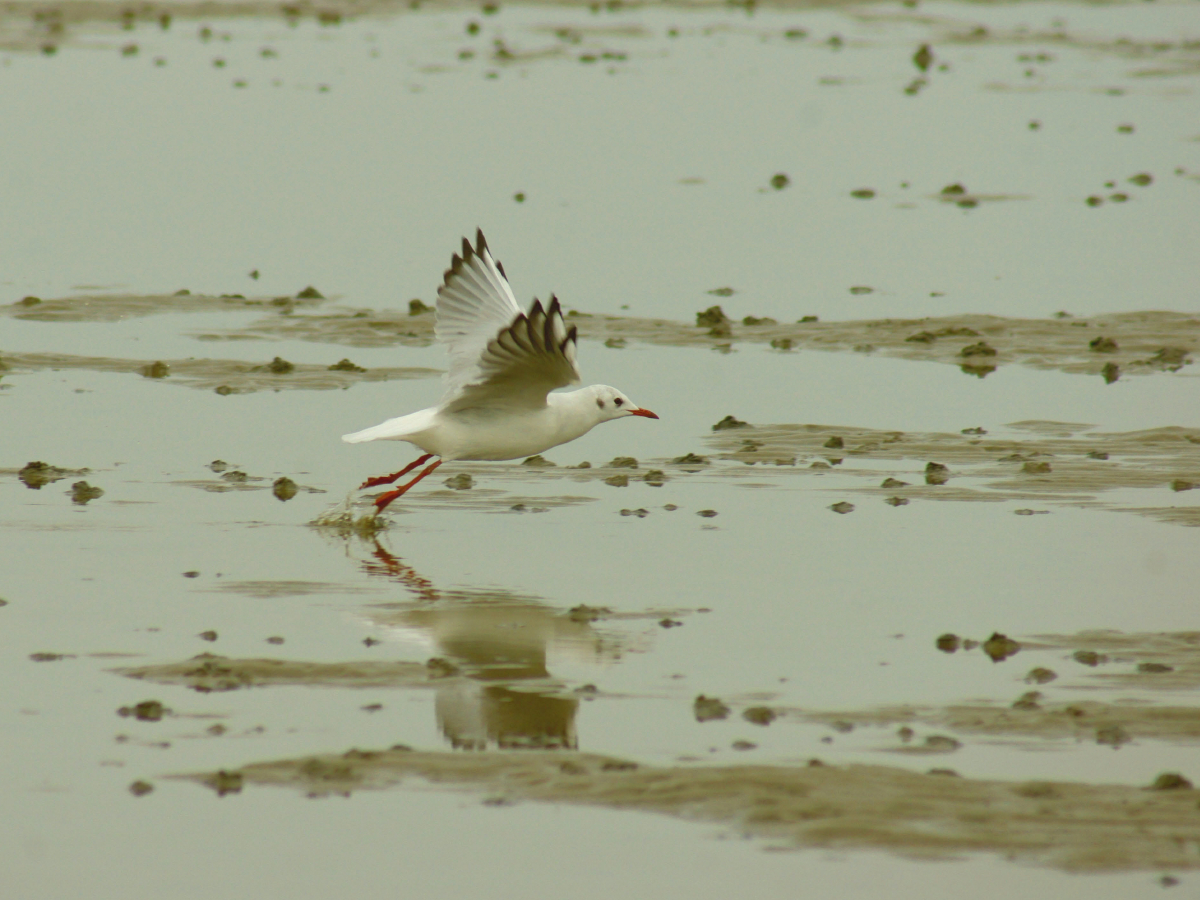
(499, 356)
(522, 363)
(474, 303)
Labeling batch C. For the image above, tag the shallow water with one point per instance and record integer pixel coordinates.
(567, 611)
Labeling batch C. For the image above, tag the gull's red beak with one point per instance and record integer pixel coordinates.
(642, 412)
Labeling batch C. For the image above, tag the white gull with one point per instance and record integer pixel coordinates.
(504, 363)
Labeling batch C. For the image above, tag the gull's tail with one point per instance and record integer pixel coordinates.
(399, 429)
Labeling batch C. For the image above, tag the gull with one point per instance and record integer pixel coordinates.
(504, 364)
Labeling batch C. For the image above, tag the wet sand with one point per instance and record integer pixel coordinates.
(1135, 343)
(1058, 462)
(1139, 343)
(1097, 688)
(1076, 827)
(225, 376)
(936, 814)
(210, 672)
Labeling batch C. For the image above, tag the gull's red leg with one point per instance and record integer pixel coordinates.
(388, 479)
(387, 497)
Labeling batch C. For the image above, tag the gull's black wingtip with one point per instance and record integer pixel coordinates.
(469, 253)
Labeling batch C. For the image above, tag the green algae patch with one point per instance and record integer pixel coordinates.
(37, 474)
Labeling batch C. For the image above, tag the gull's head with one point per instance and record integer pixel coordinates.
(612, 404)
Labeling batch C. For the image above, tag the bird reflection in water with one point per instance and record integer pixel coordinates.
(494, 688)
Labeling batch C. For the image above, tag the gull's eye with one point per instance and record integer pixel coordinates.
(618, 401)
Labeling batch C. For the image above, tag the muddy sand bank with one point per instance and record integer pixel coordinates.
(1069, 826)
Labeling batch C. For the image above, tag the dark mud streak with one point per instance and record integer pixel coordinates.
(1082, 464)
(1059, 344)
(1121, 653)
(1169, 58)
(230, 376)
(1135, 342)
(1088, 664)
(32, 26)
(483, 600)
(1065, 825)
(1056, 344)
(1076, 827)
(351, 328)
(208, 672)
(1033, 725)
(116, 307)
(28, 25)
(493, 501)
(264, 590)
